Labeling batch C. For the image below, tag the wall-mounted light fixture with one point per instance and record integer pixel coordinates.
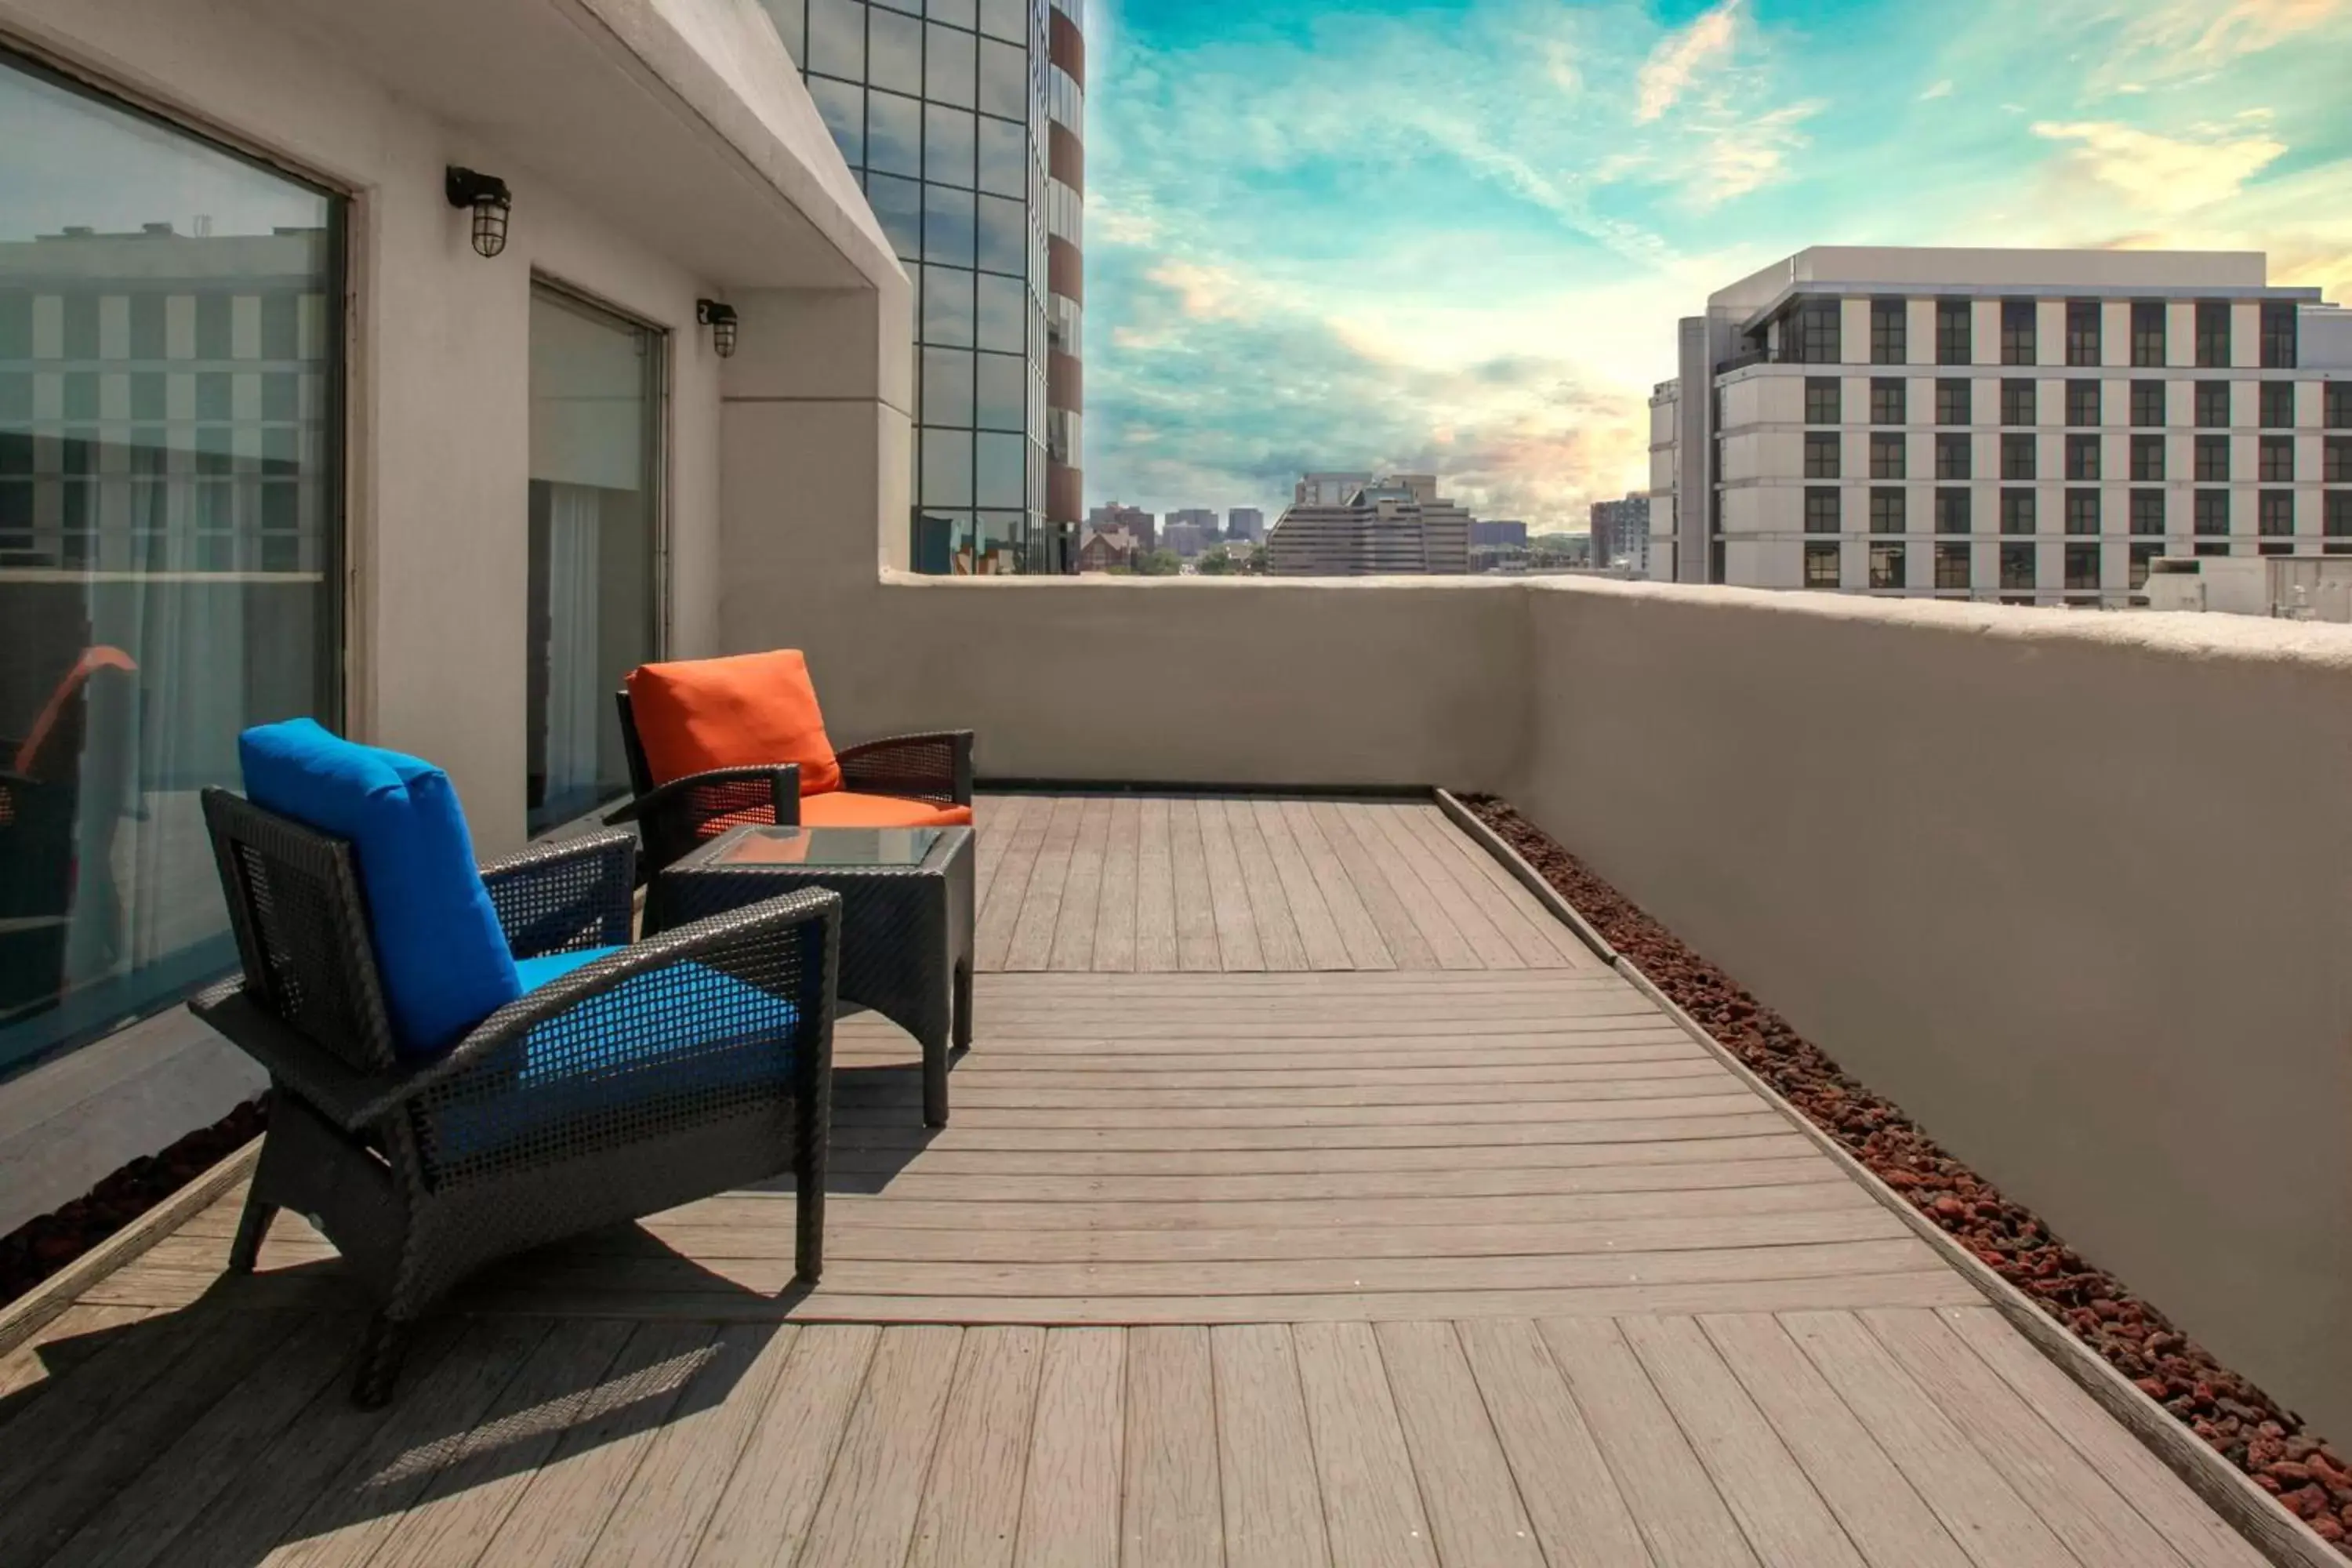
(489, 197)
(720, 319)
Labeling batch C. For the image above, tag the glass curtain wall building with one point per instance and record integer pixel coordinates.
(941, 108)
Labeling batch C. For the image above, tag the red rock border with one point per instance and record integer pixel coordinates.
(48, 1243)
(2233, 1416)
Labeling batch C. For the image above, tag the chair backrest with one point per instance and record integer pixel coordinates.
(301, 929)
(753, 709)
(641, 777)
(51, 749)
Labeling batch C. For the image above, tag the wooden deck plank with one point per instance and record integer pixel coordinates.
(1440, 944)
(1240, 945)
(1681, 1515)
(1115, 939)
(763, 1515)
(1578, 1516)
(996, 821)
(1070, 1495)
(1572, 953)
(1074, 930)
(2088, 1515)
(1444, 855)
(971, 1515)
(1474, 1512)
(1171, 1509)
(1198, 948)
(2161, 1498)
(1280, 940)
(1358, 933)
(1730, 1102)
(1884, 1515)
(1265, 1458)
(1323, 947)
(1990, 1522)
(1786, 1522)
(114, 1376)
(997, 921)
(658, 1518)
(1035, 928)
(1275, 1067)
(1408, 952)
(1668, 1083)
(1719, 1118)
(1372, 1502)
(67, 1340)
(1156, 950)
(1391, 824)
(866, 1517)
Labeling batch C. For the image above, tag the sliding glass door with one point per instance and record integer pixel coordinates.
(596, 382)
(169, 533)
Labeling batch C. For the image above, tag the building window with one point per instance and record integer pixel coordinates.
(2275, 514)
(2213, 405)
(2082, 456)
(1814, 327)
(1887, 401)
(1821, 566)
(1951, 566)
(2018, 402)
(1823, 403)
(2212, 513)
(2147, 459)
(1820, 454)
(2082, 331)
(1954, 343)
(171, 539)
(2017, 512)
(2336, 521)
(2335, 405)
(2017, 457)
(2082, 566)
(1951, 511)
(1887, 511)
(2147, 512)
(1889, 336)
(2082, 402)
(2017, 331)
(1952, 456)
(1822, 511)
(2276, 460)
(2212, 459)
(1886, 455)
(2279, 320)
(2278, 405)
(2141, 555)
(2017, 565)
(1952, 401)
(1887, 566)
(2147, 403)
(2147, 334)
(2335, 461)
(2212, 334)
(2082, 511)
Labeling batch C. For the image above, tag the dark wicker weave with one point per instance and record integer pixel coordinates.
(423, 1170)
(905, 934)
(676, 817)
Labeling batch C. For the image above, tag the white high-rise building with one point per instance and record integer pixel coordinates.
(2028, 425)
(1350, 525)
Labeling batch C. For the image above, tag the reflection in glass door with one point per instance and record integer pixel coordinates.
(595, 516)
(170, 531)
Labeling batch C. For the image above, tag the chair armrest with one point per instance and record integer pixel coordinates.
(565, 893)
(936, 767)
(679, 814)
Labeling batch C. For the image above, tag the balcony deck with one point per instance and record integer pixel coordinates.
(1310, 1197)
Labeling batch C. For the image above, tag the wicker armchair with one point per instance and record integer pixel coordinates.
(657, 1073)
(673, 818)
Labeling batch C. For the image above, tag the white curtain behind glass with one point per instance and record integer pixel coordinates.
(575, 693)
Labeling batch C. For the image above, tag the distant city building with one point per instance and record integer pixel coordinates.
(1245, 524)
(1184, 536)
(2035, 427)
(1509, 534)
(1134, 519)
(1342, 525)
(1106, 550)
(1621, 534)
(1198, 517)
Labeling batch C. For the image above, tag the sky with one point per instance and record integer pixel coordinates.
(1455, 237)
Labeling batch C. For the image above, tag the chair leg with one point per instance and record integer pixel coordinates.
(385, 1342)
(251, 1228)
(808, 1239)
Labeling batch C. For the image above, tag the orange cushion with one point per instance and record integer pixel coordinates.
(751, 711)
(847, 808)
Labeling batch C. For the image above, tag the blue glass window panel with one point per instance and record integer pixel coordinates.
(894, 134)
(947, 226)
(947, 145)
(948, 66)
(900, 204)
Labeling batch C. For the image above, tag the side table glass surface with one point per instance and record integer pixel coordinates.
(841, 846)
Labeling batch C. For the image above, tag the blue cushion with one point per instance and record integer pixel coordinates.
(535, 972)
(443, 959)
(683, 1030)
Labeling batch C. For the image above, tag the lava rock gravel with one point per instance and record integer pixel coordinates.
(2231, 1415)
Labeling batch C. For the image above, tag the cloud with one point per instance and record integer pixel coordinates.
(1680, 58)
(1941, 90)
(1748, 156)
(2191, 35)
(2163, 174)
